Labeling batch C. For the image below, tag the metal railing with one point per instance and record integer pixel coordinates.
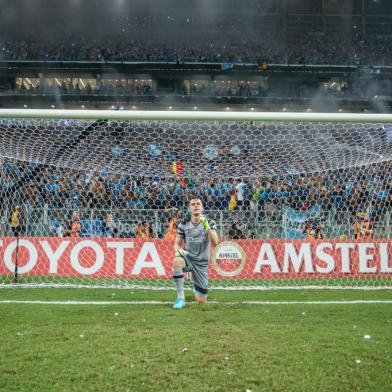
(256, 224)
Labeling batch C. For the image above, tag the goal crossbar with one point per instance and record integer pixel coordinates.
(195, 115)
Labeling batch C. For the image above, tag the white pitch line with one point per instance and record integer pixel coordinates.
(354, 302)
(154, 288)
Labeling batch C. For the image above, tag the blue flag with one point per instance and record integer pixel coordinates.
(226, 66)
(155, 150)
(293, 221)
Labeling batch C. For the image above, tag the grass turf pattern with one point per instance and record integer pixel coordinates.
(211, 347)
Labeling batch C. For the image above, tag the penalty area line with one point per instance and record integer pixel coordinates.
(38, 302)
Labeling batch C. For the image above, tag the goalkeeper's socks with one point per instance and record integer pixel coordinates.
(178, 277)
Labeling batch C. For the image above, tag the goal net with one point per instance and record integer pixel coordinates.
(92, 198)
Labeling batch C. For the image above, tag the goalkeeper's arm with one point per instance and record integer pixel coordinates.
(212, 235)
(178, 250)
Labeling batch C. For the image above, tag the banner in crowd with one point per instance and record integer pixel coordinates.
(242, 259)
(294, 219)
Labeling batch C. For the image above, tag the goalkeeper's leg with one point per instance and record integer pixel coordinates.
(178, 277)
(200, 283)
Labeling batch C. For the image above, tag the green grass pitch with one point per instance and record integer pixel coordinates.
(213, 347)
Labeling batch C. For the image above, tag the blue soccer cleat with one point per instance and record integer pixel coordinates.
(179, 304)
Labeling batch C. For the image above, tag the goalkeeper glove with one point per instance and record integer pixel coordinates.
(204, 222)
(181, 253)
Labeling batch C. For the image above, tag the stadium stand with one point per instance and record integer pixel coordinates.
(297, 49)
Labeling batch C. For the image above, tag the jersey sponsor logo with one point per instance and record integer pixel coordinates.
(228, 259)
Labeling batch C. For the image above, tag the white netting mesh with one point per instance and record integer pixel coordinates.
(97, 201)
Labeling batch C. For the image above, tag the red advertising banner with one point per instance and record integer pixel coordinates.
(242, 259)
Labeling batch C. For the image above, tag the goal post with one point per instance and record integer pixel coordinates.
(92, 198)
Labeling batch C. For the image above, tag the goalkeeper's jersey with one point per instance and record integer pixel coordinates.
(196, 240)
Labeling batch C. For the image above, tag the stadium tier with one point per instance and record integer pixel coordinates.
(212, 48)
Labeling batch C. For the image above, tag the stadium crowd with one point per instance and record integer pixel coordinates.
(353, 190)
(239, 47)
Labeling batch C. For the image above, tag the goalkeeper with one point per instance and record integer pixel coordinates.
(192, 253)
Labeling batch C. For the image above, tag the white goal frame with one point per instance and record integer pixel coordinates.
(195, 115)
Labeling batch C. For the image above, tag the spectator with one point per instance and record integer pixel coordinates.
(142, 230)
(110, 227)
(61, 229)
(174, 220)
(76, 228)
(362, 227)
(240, 193)
(236, 230)
(16, 226)
(312, 227)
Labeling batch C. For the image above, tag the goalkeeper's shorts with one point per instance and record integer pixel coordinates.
(199, 270)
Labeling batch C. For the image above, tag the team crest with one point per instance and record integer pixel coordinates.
(195, 232)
